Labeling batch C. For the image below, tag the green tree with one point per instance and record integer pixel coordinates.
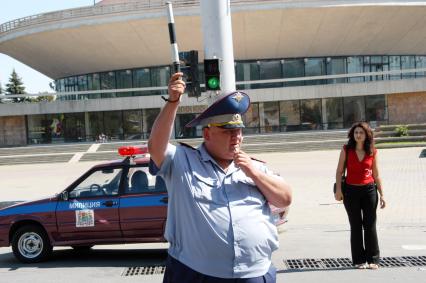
(15, 86)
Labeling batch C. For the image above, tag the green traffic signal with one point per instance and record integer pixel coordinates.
(213, 83)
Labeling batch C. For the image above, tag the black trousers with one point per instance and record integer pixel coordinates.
(177, 272)
(361, 205)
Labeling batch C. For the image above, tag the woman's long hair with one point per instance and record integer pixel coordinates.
(369, 140)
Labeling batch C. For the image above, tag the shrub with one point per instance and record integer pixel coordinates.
(401, 131)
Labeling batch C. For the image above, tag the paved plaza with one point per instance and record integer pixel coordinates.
(317, 227)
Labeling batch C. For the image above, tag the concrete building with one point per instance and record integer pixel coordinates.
(332, 62)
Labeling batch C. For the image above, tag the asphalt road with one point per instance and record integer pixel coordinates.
(317, 228)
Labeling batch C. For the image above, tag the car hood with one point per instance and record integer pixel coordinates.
(15, 205)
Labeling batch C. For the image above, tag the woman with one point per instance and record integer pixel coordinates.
(359, 194)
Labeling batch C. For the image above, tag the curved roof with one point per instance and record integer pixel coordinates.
(134, 34)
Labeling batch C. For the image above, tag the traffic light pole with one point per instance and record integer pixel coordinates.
(217, 35)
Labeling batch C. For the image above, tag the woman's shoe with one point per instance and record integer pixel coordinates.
(361, 266)
(373, 266)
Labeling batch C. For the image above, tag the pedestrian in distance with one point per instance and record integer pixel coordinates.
(360, 194)
(219, 223)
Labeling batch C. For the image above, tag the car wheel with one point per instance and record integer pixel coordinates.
(82, 248)
(31, 244)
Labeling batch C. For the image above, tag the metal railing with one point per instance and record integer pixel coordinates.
(89, 11)
(129, 7)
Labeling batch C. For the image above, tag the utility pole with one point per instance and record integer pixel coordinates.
(217, 35)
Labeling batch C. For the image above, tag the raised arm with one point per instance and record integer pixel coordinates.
(163, 125)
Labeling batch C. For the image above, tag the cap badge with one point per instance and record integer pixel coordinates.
(238, 96)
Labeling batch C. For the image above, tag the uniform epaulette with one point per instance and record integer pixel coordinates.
(187, 145)
(255, 159)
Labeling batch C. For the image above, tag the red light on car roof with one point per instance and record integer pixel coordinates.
(132, 150)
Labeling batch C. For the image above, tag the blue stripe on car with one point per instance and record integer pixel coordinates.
(85, 204)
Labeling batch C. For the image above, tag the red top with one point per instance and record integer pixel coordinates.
(359, 172)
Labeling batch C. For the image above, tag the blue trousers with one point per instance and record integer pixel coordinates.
(177, 272)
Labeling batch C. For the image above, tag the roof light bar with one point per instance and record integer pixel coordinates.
(132, 150)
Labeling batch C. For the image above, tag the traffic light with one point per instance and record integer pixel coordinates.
(212, 74)
(189, 68)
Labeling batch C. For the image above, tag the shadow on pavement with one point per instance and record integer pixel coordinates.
(91, 258)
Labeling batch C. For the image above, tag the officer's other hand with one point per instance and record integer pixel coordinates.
(338, 195)
(176, 86)
(243, 161)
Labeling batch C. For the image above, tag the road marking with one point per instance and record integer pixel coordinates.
(414, 247)
(76, 158)
(94, 147)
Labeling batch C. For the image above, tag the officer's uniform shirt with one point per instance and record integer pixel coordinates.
(218, 223)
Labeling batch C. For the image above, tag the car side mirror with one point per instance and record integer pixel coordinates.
(64, 195)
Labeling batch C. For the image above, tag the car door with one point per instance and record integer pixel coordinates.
(143, 205)
(91, 210)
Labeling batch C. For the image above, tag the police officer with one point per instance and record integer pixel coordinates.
(219, 223)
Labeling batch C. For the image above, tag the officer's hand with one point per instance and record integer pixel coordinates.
(176, 86)
(243, 160)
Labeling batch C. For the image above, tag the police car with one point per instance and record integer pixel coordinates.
(112, 203)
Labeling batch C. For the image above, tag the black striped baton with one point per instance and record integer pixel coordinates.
(172, 34)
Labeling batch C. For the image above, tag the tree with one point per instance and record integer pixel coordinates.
(15, 86)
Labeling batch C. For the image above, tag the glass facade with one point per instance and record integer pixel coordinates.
(253, 70)
(261, 117)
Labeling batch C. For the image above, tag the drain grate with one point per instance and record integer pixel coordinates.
(144, 270)
(337, 263)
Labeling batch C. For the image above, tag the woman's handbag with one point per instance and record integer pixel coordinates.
(344, 173)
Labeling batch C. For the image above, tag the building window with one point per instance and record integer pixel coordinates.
(269, 116)
(95, 126)
(293, 68)
(290, 115)
(251, 119)
(315, 67)
(395, 64)
(141, 78)
(310, 114)
(270, 70)
(113, 123)
(332, 109)
(247, 71)
(354, 65)
(73, 127)
(336, 66)
(36, 129)
(408, 62)
(108, 82)
(376, 110)
(180, 130)
(132, 125)
(353, 110)
(124, 80)
(160, 77)
(420, 64)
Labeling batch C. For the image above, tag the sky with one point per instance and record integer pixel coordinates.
(34, 81)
